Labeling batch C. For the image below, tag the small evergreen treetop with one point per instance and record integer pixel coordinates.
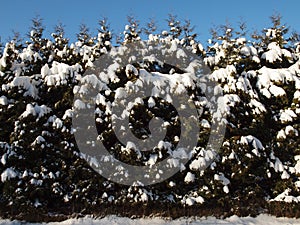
(151, 27)
(132, 30)
(36, 29)
(84, 35)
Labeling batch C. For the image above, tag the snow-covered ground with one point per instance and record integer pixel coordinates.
(113, 220)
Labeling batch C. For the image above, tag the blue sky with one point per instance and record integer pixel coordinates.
(17, 14)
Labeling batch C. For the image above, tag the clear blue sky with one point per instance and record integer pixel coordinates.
(16, 15)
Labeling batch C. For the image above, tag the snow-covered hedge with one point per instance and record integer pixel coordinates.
(42, 170)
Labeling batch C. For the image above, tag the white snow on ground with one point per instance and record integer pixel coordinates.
(114, 220)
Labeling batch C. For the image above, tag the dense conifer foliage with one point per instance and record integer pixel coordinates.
(256, 169)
